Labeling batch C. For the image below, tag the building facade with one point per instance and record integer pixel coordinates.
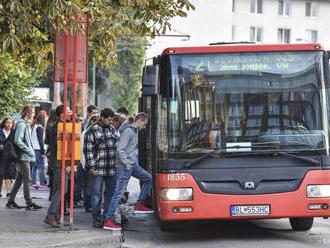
(280, 21)
(261, 21)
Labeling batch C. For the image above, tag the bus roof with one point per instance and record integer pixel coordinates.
(243, 48)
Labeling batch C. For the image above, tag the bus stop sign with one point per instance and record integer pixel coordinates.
(81, 57)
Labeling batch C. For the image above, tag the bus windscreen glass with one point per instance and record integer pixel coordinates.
(241, 102)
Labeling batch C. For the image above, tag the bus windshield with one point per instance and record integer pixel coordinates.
(243, 102)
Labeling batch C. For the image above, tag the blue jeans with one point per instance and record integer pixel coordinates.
(123, 176)
(40, 166)
(96, 188)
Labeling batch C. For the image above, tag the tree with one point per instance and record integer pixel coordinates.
(27, 27)
(123, 80)
(15, 84)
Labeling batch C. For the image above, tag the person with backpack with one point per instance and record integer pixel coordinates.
(26, 155)
(7, 169)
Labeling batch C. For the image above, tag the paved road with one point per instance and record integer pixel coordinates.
(144, 233)
(21, 228)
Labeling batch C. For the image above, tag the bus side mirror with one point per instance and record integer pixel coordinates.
(150, 79)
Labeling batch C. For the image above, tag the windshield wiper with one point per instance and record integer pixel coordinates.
(301, 158)
(275, 153)
(189, 164)
(195, 161)
(254, 145)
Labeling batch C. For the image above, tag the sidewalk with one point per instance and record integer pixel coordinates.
(22, 228)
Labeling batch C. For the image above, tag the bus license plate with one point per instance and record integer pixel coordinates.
(250, 210)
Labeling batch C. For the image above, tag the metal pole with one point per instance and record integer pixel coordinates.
(94, 68)
(84, 85)
(66, 62)
(73, 137)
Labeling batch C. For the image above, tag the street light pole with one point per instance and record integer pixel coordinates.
(93, 93)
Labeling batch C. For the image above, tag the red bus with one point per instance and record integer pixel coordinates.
(237, 132)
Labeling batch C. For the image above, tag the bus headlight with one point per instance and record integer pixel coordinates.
(177, 194)
(315, 191)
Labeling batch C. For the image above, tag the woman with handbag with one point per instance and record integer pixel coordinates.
(7, 170)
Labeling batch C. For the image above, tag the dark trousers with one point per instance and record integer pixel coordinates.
(87, 189)
(51, 186)
(54, 207)
(79, 184)
(22, 176)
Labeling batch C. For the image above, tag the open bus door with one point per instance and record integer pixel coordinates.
(147, 137)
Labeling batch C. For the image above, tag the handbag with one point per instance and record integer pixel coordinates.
(10, 152)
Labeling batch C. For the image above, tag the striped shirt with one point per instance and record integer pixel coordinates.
(100, 150)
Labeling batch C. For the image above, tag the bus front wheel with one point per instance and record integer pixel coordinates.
(166, 226)
(301, 224)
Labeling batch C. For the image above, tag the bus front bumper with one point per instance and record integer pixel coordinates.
(217, 206)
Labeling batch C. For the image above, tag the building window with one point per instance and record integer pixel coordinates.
(233, 32)
(310, 9)
(312, 36)
(233, 5)
(256, 6)
(283, 35)
(256, 34)
(284, 7)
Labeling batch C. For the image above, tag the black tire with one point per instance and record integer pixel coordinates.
(166, 226)
(301, 224)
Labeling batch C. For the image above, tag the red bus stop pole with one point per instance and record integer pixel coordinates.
(73, 138)
(66, 62)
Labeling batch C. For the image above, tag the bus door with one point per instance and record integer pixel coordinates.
(147, 138)
(147, 105)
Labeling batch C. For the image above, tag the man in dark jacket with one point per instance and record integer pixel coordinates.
(22, 140)
(100, 158)
(52, 217)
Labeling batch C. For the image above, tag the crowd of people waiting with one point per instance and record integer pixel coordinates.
(109, 143)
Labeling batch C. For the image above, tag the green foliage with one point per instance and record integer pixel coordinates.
(124, 79)
(27, 27)
(16, 82)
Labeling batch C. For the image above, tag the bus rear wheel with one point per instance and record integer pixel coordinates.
(301, 224)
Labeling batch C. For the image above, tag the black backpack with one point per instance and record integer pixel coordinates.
(10, 151)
